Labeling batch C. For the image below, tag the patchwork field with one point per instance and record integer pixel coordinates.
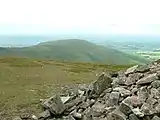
(149, 54)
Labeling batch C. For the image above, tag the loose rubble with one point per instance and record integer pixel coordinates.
(133, 94)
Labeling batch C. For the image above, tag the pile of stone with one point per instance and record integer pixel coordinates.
(133, 94)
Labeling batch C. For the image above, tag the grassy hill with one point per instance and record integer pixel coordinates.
(23, 81)
(73, 50)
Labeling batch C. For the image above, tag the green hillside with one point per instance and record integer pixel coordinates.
(73, 50)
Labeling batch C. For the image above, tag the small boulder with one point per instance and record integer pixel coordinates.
(98, 109)
(117, 115)
(133, 117)
(146, 109)
(125, 106)
(137, 112)
(132, 78)
(155, 84)
(123, 92)
(156, 118)
(114, 98)
(65, 99)
(155, 93)
(131, 70)
(54, 105)
(142, 68)
(146, 80)
(45, 114)
(143, 94)
(101, 84)
(76, 115)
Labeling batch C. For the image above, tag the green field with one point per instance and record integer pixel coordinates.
(149, 55)
(23, 82)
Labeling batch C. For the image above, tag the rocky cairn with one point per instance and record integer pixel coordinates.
(133, 94)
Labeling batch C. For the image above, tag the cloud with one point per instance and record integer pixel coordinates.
(99, 16)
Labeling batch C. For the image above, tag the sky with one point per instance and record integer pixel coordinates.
(49, 17)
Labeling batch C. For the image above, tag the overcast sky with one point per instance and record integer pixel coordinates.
(79, 16)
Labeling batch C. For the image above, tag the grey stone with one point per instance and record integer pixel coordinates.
(115, 82)
(117, 115)
(125, 106)
(137, 112)
(76, 115)
(121, 78)
(87, 114)
(158, 74)
(135, 101)
(131, 70)
(124, 92)
(110, 109)
(45, 114)
(54, 105)
(155, 84)
(72, 104)
(147, 118)
(143, 94)
(34, 117)
(157, 108)
(16, 118)
(152, 102)
(133, 117)
(98, 109)
(155, 93)
(132, 78)
(114, 98)
(65, 99)
(87, 104)
(146, 109)
(156, 118)
(146, 80)
(101, 84)
(134, 91)
(142, 68)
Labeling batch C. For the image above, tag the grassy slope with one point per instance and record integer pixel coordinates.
(25, 81)
(74, 50)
